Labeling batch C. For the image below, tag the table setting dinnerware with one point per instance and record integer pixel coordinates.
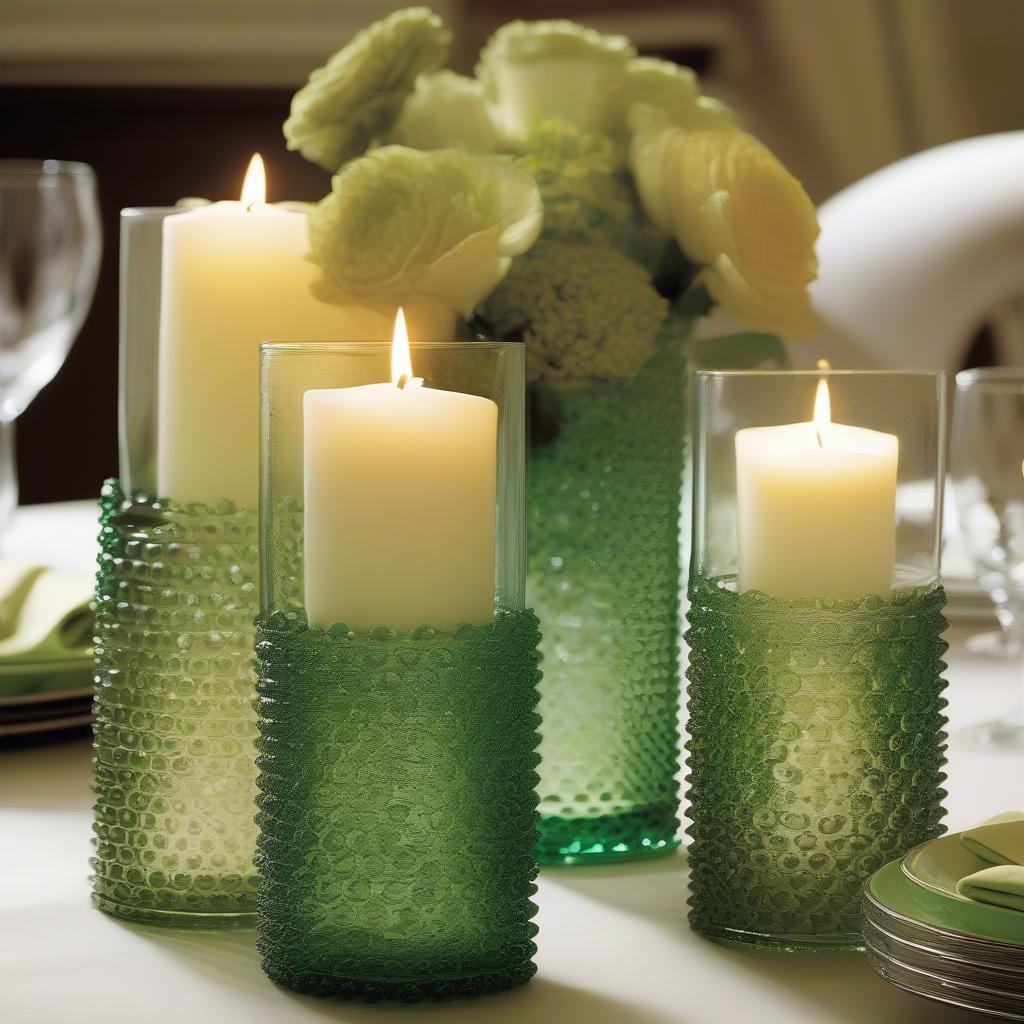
(50, 244)
(987, 472)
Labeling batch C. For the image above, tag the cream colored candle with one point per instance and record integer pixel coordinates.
(816, 507)
(399, 503)
(234, 274)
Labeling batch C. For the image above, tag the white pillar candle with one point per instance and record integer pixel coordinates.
(399, 495)
(235, 274)
(816, 508)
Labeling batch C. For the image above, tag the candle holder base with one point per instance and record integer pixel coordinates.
(397, 808)
(201, 920)
(636, 835)
(815, 756)
(837, 942)
(173, 756)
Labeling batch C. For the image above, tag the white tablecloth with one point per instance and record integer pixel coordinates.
(614, 944)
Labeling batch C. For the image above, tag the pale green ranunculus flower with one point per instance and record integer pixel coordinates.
(739, 213)
(403, 224)
(534, 71)
(446, 109)
(356, 96)
(675, 91)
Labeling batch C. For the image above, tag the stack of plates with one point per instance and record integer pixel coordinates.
(924, 937)
(43, 698)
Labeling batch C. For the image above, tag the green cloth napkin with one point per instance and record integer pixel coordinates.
(1002, 885)
(46, 627)
(1000, 840)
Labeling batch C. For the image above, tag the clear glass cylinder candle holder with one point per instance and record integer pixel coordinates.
(815, 676)
(398, 671)
(176, 597)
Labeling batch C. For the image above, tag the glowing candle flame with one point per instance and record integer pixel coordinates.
(401, 360)
(254, 188)
(822, 405)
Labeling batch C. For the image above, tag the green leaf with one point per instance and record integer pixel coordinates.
(695, 301)
(749, 350)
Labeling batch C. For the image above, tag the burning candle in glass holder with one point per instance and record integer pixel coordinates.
(399, 502)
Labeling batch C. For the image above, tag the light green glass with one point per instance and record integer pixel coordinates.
(816, 722)
(815, 756)
(605, 479)
(173, 762)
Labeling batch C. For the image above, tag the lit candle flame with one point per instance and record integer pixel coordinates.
(254, 188)
(401, 360)
(822, 405)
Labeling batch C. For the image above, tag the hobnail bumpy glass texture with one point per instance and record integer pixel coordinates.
(815, 756)
(397, 807)
(604, 577)
(174, 750)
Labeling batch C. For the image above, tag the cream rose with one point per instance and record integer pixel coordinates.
(735, 209)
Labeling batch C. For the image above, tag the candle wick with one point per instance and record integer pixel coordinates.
(249, 206)
(402, 381)
(817, 434)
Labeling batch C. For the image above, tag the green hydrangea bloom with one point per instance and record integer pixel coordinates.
(585, 311)
(402, 224)
(588, 195)
(356, 96)
(579, 176)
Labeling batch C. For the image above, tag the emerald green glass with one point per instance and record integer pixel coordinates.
(397, 805)
(815, 756)
(173, 764)
(397, 815)
(604, 489)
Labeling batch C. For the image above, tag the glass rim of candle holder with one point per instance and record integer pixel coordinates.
(398, 671)
(906, 409)
(991, 378)
(815, 675)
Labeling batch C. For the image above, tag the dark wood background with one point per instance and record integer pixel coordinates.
(149, 147)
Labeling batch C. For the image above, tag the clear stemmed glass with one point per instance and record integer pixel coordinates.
(50, 246)
(987, 470)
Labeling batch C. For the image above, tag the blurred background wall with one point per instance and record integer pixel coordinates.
(168, 98)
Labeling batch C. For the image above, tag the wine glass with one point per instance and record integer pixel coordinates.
(987, 470)
(50, 246)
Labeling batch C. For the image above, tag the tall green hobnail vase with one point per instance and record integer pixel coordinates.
(604, 577)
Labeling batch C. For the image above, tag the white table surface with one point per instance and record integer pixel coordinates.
(614, 944)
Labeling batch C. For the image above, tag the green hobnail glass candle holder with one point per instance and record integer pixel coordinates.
(397, 806)
(175, 728)
(605, 481)
(397, 815)
(816, 742)
(815, 756)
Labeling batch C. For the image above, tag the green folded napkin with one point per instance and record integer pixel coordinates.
(1000, 840)
(1002, 885)
(46, 627)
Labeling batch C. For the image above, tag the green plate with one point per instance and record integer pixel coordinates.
(897, 894)
(938, 865)
(45, 677)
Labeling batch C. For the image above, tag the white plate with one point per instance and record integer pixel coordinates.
(45, 726)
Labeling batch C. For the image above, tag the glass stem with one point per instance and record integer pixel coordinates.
(8, 475)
